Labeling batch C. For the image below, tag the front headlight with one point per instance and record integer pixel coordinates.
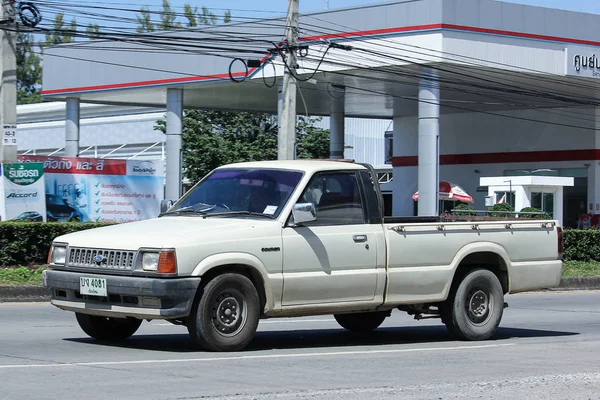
(150, 261)
(59, 255)
(164, 262)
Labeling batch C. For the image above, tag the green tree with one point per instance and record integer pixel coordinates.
(215, 138)
(92, 31)
(29, 70)
(167, 18)
(60, 33)
(191, 15)
(144, 19)
(227, 17)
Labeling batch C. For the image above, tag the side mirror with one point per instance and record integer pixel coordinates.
(165, 205)
(304, 212)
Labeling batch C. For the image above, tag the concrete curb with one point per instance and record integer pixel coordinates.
(10, 294)
(586, 283)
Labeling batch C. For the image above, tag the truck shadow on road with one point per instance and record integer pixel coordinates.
(321, 338)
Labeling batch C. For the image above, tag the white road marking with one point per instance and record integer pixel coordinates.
(256, 357)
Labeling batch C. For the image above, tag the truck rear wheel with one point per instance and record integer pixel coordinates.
(225, 316)
(105, 328)
(474, 307)
(361, 322)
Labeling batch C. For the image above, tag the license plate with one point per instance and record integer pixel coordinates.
(92, 286)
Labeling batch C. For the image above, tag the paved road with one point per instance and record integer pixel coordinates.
(548, 346)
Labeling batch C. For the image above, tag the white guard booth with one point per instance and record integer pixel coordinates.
(541, 192)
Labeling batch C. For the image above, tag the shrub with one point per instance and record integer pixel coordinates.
(464, 209)
(581, 245)
(543, 215)
(28, 243)
(502, 207)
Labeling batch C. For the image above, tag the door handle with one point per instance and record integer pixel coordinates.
(359, 238)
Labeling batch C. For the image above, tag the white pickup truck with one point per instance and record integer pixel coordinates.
(296, 238)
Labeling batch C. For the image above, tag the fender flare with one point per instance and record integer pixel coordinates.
(479, 247)
(243, 259)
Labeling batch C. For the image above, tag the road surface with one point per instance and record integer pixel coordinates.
(548, 346)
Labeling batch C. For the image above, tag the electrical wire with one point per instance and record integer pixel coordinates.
(314, 72)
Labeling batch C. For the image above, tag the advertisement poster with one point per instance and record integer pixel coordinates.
(22, 192)
(101, 190)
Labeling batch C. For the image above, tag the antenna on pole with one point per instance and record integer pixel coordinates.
(327, 4)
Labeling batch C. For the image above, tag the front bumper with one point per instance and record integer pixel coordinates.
(138, 297)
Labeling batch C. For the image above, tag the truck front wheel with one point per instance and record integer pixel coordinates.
(105, 328)
(361, 322)
(474, 307)
(225, 315)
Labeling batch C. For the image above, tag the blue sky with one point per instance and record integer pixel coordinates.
(591, 6)
(254, 9)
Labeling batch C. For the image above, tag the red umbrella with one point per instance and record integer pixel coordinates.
(450, 191)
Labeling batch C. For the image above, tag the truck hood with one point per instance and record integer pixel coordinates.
(166, 232)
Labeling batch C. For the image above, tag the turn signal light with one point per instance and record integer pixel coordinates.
(167, 263)
(50, 254)
(561, 243)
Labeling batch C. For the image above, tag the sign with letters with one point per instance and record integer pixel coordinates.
(582, 61)
(22, 192)
(101, 190)
(9, 135)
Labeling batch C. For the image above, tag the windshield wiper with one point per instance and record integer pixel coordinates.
(240, 213)
(184, 210)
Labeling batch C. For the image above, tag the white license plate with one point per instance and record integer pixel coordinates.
(92, 286)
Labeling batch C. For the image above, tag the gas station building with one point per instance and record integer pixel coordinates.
(475, 88)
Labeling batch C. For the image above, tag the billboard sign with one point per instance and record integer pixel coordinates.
(22, 192)
(101, 190)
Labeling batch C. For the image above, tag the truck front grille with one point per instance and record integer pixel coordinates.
(111, 259)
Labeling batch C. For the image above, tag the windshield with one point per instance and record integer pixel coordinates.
(252, 191)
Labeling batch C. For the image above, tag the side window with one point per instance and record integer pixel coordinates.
(337, 199)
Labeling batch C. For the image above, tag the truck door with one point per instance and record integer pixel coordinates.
(332, 259)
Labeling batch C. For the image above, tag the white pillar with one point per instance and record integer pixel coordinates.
(429, 133)
(593, 196)
(174, 143)
(336, 127)
(405, 176)
(72, 127)
(558, 205)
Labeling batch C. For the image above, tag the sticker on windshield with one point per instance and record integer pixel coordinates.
(270, 210)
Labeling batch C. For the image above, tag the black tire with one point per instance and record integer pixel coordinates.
(225, 315)
(361, 322)
(474, 307)
(105, 328)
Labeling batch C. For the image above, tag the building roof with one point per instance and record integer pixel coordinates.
(489, 55)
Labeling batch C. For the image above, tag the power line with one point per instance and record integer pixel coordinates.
(486, 87)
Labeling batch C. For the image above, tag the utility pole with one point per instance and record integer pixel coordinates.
(287, 124)
(8, 83)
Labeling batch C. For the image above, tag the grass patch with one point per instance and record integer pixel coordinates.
(33, 275)
(21, 276)
(576, 269)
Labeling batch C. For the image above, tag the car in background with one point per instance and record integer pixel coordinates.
(30, 216)
(57, 209)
